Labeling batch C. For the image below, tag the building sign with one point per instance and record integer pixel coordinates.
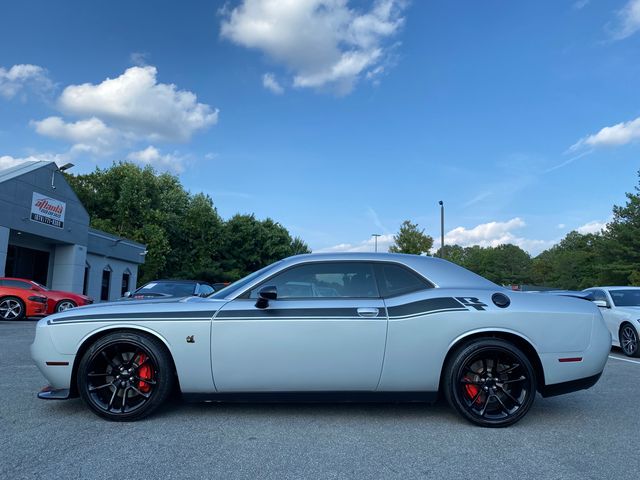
(47, 210)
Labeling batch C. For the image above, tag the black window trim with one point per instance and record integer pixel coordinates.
(374, 263)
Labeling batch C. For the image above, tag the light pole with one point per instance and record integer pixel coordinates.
(441, 203)
(375, 237)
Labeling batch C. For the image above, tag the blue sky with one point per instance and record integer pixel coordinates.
(342, 118)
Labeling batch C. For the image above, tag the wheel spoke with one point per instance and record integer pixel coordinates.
(153, 382)
(486, 403)
(105, 374)
(124, 399)
(510, 396)
(504, 407)
(109, 361)
(514, 380)
(144, 395)
(113, 397)
(93, 389)
(509, 369)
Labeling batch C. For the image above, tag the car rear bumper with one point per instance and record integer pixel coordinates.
(570, 386)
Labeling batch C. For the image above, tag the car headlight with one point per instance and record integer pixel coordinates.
(38, 299)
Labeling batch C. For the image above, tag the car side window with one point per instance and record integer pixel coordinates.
(396, 280)
(16, 284)
(324, 280)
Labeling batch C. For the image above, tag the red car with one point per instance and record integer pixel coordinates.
(57, 300)
(17, 303)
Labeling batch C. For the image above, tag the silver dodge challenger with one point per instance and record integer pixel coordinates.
(339, 327)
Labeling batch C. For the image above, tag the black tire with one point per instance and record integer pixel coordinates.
(12, 308)
(482, 396)
(629, 343)
(63, 305)
(111, 380)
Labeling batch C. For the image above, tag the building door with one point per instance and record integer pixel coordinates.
(27, 263)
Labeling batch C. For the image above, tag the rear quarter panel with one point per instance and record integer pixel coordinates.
(417, 345)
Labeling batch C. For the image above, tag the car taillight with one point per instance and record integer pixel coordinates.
(36, 298)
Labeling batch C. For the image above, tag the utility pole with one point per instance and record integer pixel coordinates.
(375, 236)
(441, 203)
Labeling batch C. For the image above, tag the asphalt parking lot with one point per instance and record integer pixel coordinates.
(589, 434)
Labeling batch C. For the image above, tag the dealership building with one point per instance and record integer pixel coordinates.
(45, 237)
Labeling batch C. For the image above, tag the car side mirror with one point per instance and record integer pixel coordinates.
(127, 294)
(265, 294)
(601, 303)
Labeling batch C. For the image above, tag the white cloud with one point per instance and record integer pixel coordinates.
(88, 136)
(492, 234)
(270, 83)
(152, 156)
(616, 135)
(139, 58)
(136, 104)
(7, 161)
(322, 42)
(562, 225)
(489, 234)
(592, 227)
(18, 77)
(628, 20)
(384, 242)
(580, 4)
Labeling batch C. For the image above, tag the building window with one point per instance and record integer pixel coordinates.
(125, 283)
(106, 281)
(85, 283)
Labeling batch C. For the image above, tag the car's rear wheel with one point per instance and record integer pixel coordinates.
(12, 308)
(490, 382)
(629, 340)
(63, 305)
(125, 376)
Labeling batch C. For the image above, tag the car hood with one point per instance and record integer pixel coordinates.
(61, 293)
(177, 308)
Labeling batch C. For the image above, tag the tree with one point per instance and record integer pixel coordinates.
(621, 245)
(410, 239)
(185, 236)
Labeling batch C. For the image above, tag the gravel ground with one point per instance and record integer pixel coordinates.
(583, 435)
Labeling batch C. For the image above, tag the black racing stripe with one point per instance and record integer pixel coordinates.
(205, 315)
(425, 306)
(294, 312)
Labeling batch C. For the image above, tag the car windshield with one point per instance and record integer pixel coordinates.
(41, 286)
(239, 284)
(174, 289)
(626, 298)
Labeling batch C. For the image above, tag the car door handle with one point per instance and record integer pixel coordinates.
(368, 312)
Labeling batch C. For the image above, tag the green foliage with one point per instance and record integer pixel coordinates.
(410, 239)
(504, 264)
(185, 236)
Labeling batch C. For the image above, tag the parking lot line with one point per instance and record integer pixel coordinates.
(625, 359)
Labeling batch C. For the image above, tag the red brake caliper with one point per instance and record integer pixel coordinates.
(472, 390)
(145, 373)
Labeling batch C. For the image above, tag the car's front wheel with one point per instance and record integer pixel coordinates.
(12, 308)
(125, 376)
(629, 340)
(490, 382)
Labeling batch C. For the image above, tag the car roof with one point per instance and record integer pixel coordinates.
(19, 279)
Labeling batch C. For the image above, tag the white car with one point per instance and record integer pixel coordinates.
(326, 326)
(620, 308)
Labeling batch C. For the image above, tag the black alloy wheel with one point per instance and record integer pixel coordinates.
(11, 308)
(629, 340)
(125, 376)
(490, 382)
